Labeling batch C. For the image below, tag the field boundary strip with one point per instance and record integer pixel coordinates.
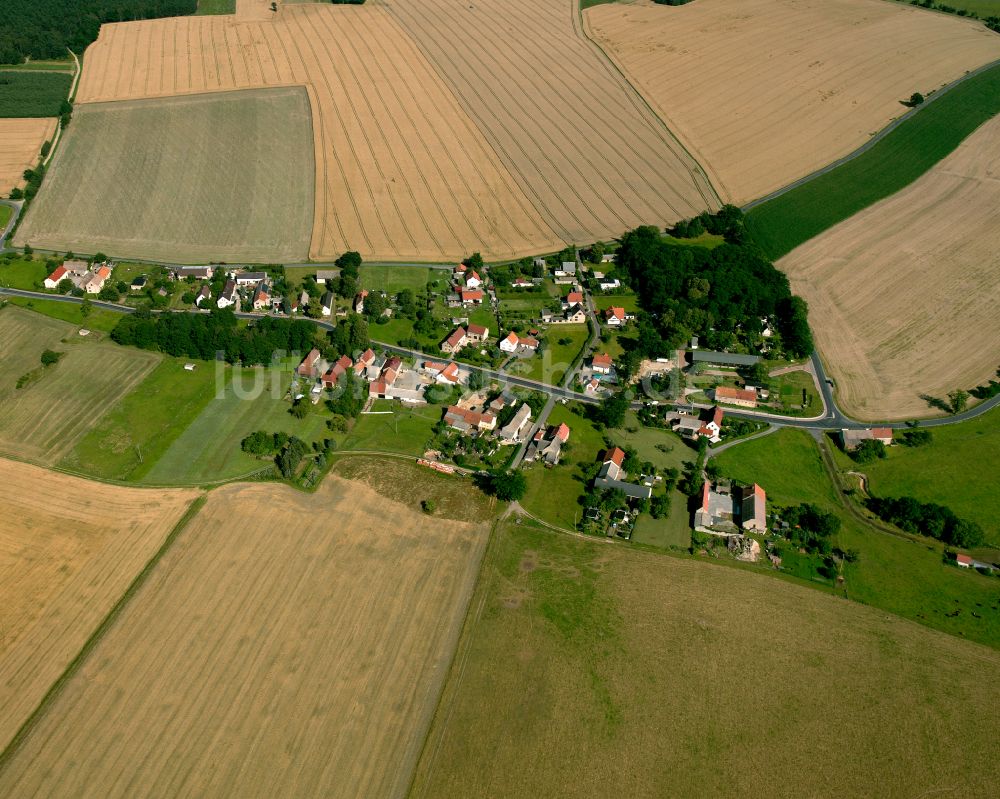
(95, 638)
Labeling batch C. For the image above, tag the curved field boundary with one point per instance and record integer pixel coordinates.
(904, 152)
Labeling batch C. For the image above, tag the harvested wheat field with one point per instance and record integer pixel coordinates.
(69, 549)
(182, 179)
(903, 296)
(20, 143)
(606, 671)
(56, 405)
(286, 645)
(764, 92)
(584, 147)
(401, 170)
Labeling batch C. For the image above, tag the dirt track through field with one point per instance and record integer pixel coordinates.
(903, 296)
(581, 143)
(69, 548)
(286, 645)
(21, 141)
(402, 171)
(764, 92)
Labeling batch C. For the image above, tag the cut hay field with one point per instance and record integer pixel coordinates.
(903, 296)
(20, 143)
(764, 92)
(44, 420)
(588, 669)
(182, 179)
(287, 644)
(68, 550)
(401, 170)
(582, 144)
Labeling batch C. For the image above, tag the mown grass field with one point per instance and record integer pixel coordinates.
(551, 363)
(132, 436)
(402, 429)
(72, 312)
(906, 153)
(393, 279)
(43, 420)
(592, 669)
(902, 575)
(26, 93)
(209, 447)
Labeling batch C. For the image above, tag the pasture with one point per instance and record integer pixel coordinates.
(20, 143)
(68, 551)
(393, 279)
(43, 420)
(579, 140)
(562, 345)
(363, 599)
(75, 313)
(33, 93)
(903, 296)
(634, 673)
(402, 173)
(182, 179)
(767, 91)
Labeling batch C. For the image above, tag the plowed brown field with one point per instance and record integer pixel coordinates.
(69, 549)
(20, 142)
(583, 145)
(903, 296)
(402, 171)
(764, 92)
(285, 645)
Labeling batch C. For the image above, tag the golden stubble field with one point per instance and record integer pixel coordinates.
(591, 155)
(69, 549)
(43, 420)
(20, 143)
(401, 170)
(903, 296)
(764, 92)
(285, 645)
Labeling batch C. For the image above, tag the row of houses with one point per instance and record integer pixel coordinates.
(387, 377)
(89, 278)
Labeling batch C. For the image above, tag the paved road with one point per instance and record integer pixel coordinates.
(833, 418)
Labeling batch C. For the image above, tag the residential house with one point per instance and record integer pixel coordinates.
(454, 343)
(76, 267)
(477, 333)
(229, 295)
(391, 369)
(602, 364)
(707, 424)
(58, 274)
(337, 371)
(744, 397)
(509, 343)
(528, 343)
(611, 463)
(851, 438)
(359, 301)
(364, 363)
(611, 474)
(261, 296)
(326, 276)
(573, 298)
(326, 304)
(511, 432)
(248, 278)
(204, 294)
(93, 282)
(610, 285)
(308, 366)
(468, 421)
(139, 283)
(473, 280)
(197, 272)
(607, 258)
(547, 444)
(591, 387)
(575, 314)
(474, 297)
(303, 301)
(566, 269)
(448, 374)
(615, 317)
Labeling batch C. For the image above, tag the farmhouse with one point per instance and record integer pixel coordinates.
(615, 317)
(228, 296)
(261, 296)
(204, 293)
(745, 398)
(851, 438)
(58, 274)
(547, 444)
(365, 362)
(727, 509)
(466, 421)
(510, 433)
(337, 371)
(513, 342)
(94, 282)
(723, 358)
(197, 272)
(446, 373)
(575, 314)
(76, 267)
(609, 478)
(477, 333)
(707, 424)
(602, 364)
(454, 343)
(474, 297)
(308, 366)
(247, 278)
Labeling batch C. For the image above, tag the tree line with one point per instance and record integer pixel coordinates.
(47, 28)
(927, 518)
(721, 294)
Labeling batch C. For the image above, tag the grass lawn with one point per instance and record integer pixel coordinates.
(144, 422)
(216, 7)
(209, 449)
(22, 274)
(393, 279)
(897, 574)
(404, 430)
(519, 304)
(959, 469)
(6, 212)
(673, 532)
(72, 312)
(788, 388)
(551, 363)
(901, 157)
(26, 93)
(588, 664)
(630, 302)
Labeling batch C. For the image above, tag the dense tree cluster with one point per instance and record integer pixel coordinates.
(46, 28)
(504, 485)
(927, 518)
(205, 335)
(810, 527)
(869, 451)
(719, 294)
(992, 22)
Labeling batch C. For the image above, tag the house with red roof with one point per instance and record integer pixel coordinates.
(614, 316)
(602, 364)
(308, 366)
(473, 297)
(454, 343)
(573, 298)
(337, 371)
(359, 301)
(58, 274)
(547, 444)
(473, 280)
(743, 397)
(477, 333)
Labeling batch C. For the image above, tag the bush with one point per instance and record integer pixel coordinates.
(869, 451)
(50, 357)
